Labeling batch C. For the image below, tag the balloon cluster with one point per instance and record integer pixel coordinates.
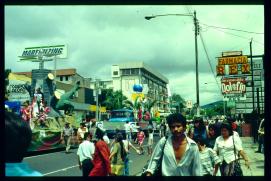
(137, 88)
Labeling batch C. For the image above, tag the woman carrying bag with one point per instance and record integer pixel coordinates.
(228, 148)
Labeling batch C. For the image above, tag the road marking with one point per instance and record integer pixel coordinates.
(37, 156)
(63, 169)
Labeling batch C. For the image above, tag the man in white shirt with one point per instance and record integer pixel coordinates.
(180, 154)
(128, 130)
(85, 154)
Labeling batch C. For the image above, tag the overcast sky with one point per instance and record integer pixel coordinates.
(101, 36)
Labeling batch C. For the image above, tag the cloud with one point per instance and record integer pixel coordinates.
(100, 36)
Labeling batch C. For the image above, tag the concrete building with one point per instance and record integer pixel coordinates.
(67, 76)
(126, 75)
(246, 105)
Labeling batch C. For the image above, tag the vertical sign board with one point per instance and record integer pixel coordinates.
(189, 104)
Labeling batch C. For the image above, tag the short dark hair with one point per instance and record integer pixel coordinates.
(200, 140)
(99, 133)
(18, 137)
(176, 118)
(227, 126)
(87, 134)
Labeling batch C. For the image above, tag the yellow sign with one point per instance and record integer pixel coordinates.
(93, 108)
(135, 95)
(232, 60)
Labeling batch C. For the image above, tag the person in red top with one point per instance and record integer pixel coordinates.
(139, 114)
(26, 112)
(140, 140)
(101, 160)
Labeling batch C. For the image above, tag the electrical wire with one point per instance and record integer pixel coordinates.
(244, 31)
(240, 36)
(189, 10)
(208, 58)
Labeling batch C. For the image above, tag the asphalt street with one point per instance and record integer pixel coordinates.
(62, 164)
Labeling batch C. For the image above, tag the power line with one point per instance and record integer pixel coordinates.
(240, 36)
(208, 58)
(231, 29)
(205, 49)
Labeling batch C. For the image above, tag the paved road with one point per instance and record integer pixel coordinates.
(61, 164)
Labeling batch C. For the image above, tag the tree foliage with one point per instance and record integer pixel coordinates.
(114, 99)
(178, 101)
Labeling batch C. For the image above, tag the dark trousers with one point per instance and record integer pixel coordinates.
(260, 143)
(87, 166)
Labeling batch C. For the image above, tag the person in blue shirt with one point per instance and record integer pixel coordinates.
(199, 128)
(18, 138)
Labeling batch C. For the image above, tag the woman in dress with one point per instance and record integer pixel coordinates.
(101, 160)
(228, 146)
(118, 156)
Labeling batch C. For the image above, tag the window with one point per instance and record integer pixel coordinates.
(67, 78)
(125, 71)
(135, 71)
(115, 73)
(61, 78)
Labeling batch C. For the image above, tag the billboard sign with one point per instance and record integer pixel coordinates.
(235, 85)
(32, 53)
(189, 104)
(232, 64)
(231, 53)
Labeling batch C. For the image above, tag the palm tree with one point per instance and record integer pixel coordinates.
(114, 99)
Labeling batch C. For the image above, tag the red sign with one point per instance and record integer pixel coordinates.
(233, 85)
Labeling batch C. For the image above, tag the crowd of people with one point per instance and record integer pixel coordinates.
(198, 148)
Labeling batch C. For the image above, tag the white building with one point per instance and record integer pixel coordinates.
(125, 76)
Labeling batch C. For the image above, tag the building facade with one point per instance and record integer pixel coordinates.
(256, 77)
(154, 84)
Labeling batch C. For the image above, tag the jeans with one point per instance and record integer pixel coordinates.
(67, 140)
(126, 166)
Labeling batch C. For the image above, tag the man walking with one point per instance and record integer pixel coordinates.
(85, 154)
(128, 130)
(67, 134)
(180, 154)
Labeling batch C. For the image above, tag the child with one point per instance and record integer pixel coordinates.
(209, 160)
(140, 140)
(150, 141)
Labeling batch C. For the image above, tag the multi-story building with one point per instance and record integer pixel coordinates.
(246, 105)
(154, 84)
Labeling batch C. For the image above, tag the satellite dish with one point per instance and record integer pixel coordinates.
(51, 76)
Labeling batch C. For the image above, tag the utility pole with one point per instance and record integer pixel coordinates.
(258, 101)
(252, 78)
(196, 54)
(97, 99)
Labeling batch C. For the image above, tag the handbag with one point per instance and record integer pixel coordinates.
(158, 169)
(237, 167)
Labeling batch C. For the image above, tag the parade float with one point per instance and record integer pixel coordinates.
(44, 107)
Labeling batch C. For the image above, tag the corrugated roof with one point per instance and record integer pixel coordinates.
(59, 72)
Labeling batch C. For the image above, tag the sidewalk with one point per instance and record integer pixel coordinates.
(256, 159)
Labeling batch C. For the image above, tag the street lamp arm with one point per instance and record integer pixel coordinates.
(154, 16)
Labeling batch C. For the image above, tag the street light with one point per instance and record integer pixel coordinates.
(196, 48)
